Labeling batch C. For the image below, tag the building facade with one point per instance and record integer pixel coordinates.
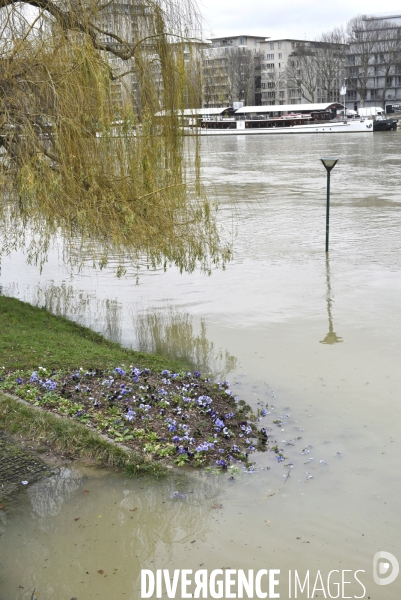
(374, 62)
(231, 71)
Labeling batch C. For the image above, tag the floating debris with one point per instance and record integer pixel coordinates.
(178, 495)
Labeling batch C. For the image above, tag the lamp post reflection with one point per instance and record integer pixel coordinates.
(331, 337)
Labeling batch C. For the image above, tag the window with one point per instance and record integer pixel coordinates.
(241, 41)
(279, 45)
(389, 81)
(272, 46)
(271, 94)
(269, 65)
(270, 84)
(293, 45)
(269, 56)
(280, 55)
(281, 94)
(398, 80)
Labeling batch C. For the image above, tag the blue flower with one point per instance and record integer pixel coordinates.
(34, 376)
(222, 463)
(165, 372)
(204, 400)
(120, 371)
(264, 412)
(219, 423)
(197, 374)
(176, 439)
(19, 380)
(49, 385)
(130, 416)
(279, 458)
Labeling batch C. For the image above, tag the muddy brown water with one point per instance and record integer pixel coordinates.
(318, 339)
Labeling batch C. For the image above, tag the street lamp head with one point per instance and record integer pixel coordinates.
(329, 163)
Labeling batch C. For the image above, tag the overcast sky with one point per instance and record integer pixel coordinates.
(299, 19)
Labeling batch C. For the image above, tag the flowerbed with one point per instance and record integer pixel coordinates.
(177, 417)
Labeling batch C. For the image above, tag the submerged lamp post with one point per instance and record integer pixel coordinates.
(329, 164)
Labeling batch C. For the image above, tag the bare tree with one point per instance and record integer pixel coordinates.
(276, 81)
(216, 88)
(388, 55)
(301, 72)
(364, 40)
(87, 159)
(240, 69)
(330, 53)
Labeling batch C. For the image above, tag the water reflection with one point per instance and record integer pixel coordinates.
(48, 495)
(103, 315)
(91, 535)
(171, 332)
(331, 337)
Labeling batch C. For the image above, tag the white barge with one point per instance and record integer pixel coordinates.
(273, 120)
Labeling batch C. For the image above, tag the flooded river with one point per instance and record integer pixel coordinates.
(317, 339)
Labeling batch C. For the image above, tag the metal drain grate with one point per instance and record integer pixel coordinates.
(16, 466)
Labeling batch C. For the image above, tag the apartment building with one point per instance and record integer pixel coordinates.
(231, 71)
(274, 57)
(253, 70)
(374, 62)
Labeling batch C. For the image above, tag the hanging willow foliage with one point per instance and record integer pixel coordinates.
(85, 156)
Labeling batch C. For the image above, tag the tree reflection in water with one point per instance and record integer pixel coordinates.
(171, 332)
(75, 540)
(48, 495)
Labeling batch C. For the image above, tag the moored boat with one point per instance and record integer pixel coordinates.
(279, 119)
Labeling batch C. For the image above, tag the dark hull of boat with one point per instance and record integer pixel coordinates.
(385, 125)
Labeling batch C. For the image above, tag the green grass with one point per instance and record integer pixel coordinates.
(31, 337)
(66, 437)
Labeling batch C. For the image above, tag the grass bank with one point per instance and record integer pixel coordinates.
(85, 385)
(31, 337)
(66, 437)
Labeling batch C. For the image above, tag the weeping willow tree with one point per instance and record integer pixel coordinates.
(91, 152)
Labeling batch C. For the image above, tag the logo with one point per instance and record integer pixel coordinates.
(382, 561)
